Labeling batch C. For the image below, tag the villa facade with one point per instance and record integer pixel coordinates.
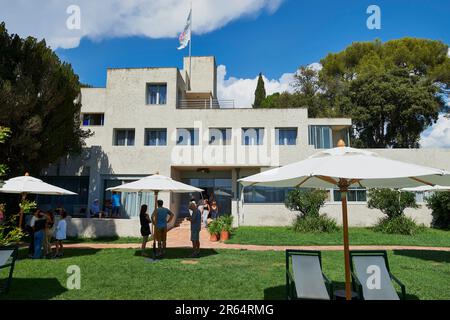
(167, 120)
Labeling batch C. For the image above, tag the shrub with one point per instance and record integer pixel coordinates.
(398, 225)
(225, 223)
(439, 203)
(214, 227)
(391, 202)
(315, 224)
(305, 201)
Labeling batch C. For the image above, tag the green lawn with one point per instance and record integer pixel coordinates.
(221, 274)
(358, 236)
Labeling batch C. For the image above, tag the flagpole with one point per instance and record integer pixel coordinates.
(190, 51)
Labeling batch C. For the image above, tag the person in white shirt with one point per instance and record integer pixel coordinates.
(60, 234)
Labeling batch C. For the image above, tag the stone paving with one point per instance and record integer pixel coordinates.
(180, 238)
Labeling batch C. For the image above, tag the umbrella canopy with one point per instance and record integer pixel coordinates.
(28, 184)
(343, 168)
(156, 183)
(427, 188)
(359, 167)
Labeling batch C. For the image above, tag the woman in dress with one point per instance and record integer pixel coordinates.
(206, 210)
(145, 227)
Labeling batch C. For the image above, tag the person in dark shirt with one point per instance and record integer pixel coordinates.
(196, 224)
(39, 234)
(145, 227)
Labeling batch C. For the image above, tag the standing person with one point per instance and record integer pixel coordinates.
(196, 224)
(115, 204)
(206, 210)
(2, 214)
(48, 233)
(145, 227)
(214, 210)
(60, 235)
(39, 234)
(29, 227)
(108, 208)
(159, 219)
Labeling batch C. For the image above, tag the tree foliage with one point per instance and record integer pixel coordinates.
(439, 203)
(260, 92)
(306, 202)
(392, 90)
(39, 101)
(391, 202)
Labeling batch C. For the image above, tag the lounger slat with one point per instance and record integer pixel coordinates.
(4, 256)
(309, 282)
(366, 269)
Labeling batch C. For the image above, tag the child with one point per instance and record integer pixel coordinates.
(60, 235)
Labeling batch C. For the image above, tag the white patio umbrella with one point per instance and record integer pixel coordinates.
(27, 184)
(155, 183)
(342, 168)
(427, 188)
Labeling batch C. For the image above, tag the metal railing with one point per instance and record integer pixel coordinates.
(206, 104)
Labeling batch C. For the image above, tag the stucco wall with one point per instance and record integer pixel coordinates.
(359, 215)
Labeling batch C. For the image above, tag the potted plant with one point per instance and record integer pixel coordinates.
(226, 224)
(213, 229)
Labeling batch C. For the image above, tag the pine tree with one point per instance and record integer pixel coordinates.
(260, 92)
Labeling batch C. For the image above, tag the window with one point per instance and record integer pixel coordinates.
(187, 137)
(252, 136)
(157, 93)
(93, 119)
(320, 137)
(219, 136)
(155, 137)
(353, 195)
(286, 136)
(265, 194)
(124, 137)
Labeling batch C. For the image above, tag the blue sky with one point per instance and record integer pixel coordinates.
(298, 32)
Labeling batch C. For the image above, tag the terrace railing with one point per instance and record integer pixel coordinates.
(206, 104)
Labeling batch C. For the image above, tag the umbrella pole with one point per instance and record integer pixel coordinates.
(348, 290)
(153, 224)
(24, 196)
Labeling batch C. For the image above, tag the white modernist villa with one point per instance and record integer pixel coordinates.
(166, 120)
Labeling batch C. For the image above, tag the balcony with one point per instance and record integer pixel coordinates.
(206, 104)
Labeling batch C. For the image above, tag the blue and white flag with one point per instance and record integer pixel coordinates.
(185, 36)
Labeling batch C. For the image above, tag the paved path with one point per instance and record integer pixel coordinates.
(180, 238)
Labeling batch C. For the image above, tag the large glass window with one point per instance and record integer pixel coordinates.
(187, 137)
(252, 136)
(157, 93)
(265, 194)
(93, 119)
(286, 136)
(320, 137)
(219, 136)
(75, 205)
(124, 137)
(353, 195)
(155, 137)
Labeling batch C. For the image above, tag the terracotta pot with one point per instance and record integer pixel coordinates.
(224, 235)
(213, 237)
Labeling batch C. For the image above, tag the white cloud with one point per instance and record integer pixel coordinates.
(438, 136)
(242, 91)
(121, 18)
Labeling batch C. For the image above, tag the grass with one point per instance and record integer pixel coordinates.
(221, 274)
(358, 236)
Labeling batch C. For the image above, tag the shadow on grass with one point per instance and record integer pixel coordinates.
(275, 293)
(430, 255)
(33, 288)
(68, 253)
(179, 253)
(340, 285)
